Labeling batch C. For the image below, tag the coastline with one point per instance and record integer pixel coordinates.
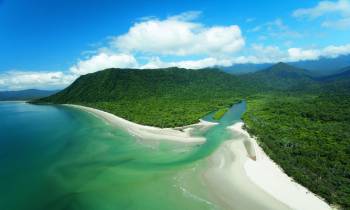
(269, 176)
(179, 134)
(238, 167)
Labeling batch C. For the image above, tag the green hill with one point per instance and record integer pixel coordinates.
(160, 97)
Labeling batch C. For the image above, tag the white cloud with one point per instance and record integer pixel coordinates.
(335, 51)
(185, 16)
(16, 80)
(338, 13)
(273, 54)
(180, 36)
(249, 20)
(102, 61)
(343, 23)
(176, 36)
(275, 29)
(276, 23)
(202, 63)
(264, 54)
(299, 54)
(323, 8)
(259, 54)
(156, 62)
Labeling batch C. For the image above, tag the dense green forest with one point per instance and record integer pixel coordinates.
(174, 97)
(301, 121)
(164, 97)
(309, 136)
(306, 129)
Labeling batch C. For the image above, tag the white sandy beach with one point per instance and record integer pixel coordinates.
(230, 186)
(149, 132)
(270, 177)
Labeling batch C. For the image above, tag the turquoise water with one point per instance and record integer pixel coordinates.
(56, 157)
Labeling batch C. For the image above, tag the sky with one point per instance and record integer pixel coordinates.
(47, 44)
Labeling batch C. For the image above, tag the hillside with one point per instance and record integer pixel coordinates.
(160, 97)
(22, 95)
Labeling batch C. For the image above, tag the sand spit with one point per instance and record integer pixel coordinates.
(181, 134)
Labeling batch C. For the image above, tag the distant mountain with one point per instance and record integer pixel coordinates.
(338, 83)
(280, 76)
(320, 67)
(324, 66)
(25, 94)
(343, 74)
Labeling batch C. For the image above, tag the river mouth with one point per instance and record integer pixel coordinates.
(56, 157)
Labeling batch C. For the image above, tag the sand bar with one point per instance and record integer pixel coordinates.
(149, 132)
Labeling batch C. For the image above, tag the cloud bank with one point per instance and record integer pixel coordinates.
(180, 38)
(104, 61)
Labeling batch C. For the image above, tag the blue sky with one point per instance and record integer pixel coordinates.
(47, 44)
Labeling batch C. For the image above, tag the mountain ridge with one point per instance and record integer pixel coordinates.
(320, 67)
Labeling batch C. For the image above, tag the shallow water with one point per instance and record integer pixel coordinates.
(56, 157)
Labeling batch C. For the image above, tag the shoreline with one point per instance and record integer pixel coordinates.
(228, 183)
(150, 132)
(270, 177)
